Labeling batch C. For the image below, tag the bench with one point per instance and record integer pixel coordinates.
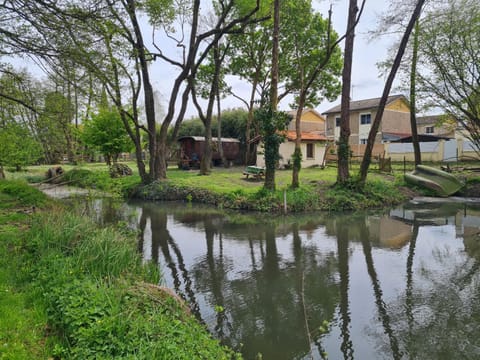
(256, 171)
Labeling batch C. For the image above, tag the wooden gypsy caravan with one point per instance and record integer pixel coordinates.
(192, 149)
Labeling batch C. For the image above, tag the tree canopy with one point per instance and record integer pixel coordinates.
(105, 132)
(450, 39)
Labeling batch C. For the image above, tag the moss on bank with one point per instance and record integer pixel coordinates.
(77, 291)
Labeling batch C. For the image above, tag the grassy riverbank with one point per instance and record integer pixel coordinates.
(72, 290)
(228, 188)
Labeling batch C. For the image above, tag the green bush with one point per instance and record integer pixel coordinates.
(87, 179)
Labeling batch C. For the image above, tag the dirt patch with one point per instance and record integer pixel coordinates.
(408, 192)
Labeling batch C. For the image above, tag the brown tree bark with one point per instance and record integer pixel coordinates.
(367, 157)
(343, 147)
(297, 154)
(154, 164)
(413, 100)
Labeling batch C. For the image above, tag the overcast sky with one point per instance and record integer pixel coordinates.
(365, 76)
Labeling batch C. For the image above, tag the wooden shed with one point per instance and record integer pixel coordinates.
(192, 149)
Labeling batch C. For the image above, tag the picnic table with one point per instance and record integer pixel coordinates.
(256, 171)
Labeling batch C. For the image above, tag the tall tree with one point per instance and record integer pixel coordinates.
(450, 37)
(394, 21)
(312, 64)
(343, 142)
(270, 138)
(104, 131)
(94, 36)
(250, 60)
(388, 85)
(209, 81)
(18, 148)
(413, 95)
(231, 17)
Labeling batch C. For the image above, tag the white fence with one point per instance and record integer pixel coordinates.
(442, 150)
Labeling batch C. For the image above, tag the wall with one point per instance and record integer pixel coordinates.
(358, 150)
(396, 118)
(431, 151)
(309, 122)
(286, 151)
(396, 122)
(438, 151)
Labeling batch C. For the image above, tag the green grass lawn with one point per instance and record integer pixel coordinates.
(224, 187)
(225, 180)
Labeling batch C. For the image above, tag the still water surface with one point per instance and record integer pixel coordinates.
(400, 284)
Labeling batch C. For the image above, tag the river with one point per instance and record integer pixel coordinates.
(396, 284)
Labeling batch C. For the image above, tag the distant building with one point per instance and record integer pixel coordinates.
(438, 125)
(314, 141)
(395, 120)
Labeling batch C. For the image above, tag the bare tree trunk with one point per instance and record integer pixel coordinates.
(367, 157)
(343, 147)
(270, 168)
(413, 100)
(219, 131)
(154, 171)
(248, 153)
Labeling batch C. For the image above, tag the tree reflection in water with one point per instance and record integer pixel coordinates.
(269, 283)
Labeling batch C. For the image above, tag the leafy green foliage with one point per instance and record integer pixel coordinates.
(106, 133)
(88, 179)
(306, 55)
(54, 127)
(18, 147)
(162, 12)
(233, 125)
(271, 125)
(449, 39)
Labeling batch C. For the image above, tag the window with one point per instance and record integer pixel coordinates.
(310, 151)
(429, 129)
(365, 119)
(337, 121)
(363, 141)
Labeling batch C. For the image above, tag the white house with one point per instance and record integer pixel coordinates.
(313, 143)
